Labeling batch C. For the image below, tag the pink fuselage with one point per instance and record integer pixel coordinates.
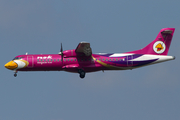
(53, 62)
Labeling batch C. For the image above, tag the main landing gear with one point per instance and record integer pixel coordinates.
(82, 73)
(15, 73)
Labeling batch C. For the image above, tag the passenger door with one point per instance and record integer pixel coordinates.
(30, 59)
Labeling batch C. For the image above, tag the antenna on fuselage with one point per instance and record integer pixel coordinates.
(26, 53)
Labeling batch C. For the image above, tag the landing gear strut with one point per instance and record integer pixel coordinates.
(82, 73)
(15, 73)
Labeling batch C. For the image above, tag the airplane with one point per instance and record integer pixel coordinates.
(81, 60)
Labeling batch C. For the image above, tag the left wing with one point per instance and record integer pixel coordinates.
(85, 48)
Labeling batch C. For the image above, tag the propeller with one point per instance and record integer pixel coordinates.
(61, 53)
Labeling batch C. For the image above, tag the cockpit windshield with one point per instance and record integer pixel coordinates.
(17, 58)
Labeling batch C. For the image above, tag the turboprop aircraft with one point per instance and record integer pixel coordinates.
(81, 60)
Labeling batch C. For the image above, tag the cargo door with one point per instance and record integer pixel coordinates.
(130, 60)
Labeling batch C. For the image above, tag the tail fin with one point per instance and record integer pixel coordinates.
(161, 45)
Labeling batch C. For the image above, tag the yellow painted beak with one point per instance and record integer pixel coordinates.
(11, 65)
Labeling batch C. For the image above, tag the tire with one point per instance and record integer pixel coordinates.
(81, 76)
(15, 75)
(81, 73)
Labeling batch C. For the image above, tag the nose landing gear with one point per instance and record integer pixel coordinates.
(15, 73)
(82, 73)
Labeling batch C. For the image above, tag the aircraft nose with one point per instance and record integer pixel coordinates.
(11, 65)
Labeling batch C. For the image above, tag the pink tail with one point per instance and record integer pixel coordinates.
(160, 46)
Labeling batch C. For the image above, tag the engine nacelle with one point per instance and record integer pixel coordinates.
(69, 53)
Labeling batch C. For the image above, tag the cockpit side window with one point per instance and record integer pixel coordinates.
(15, 58)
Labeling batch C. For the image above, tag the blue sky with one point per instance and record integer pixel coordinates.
(38, 27)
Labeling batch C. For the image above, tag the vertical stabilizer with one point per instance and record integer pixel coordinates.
(161, 45)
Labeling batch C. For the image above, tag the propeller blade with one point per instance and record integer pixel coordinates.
(61, 50)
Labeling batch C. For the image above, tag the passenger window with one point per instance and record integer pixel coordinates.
(48, 60)
(120, 59)
(109, 59)
(74, 59)
(106, 59)
(71, 59)
(99, 59)
(103, 59)
(41, 60)
(44, 60)
(116, 59)
(123, 59)
(51, 60)
(54, 60)
(67, 59)
(38, 60)
(113, 59)
(58, 60)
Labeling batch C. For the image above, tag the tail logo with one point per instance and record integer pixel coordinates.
(159, 47)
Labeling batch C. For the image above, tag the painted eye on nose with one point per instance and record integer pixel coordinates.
(11, 65)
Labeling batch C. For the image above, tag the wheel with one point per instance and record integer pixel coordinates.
(81, 76)
(15, 75)
(81, 73)
(80, 70)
